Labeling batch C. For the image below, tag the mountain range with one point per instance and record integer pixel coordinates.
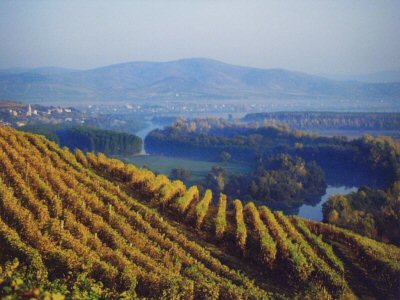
(183, 80)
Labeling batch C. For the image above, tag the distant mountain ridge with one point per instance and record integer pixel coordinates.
(186, 79)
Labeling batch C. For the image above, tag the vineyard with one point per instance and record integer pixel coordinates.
(141, 235)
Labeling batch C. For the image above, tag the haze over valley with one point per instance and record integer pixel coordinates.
(194, 80)
(199, 149)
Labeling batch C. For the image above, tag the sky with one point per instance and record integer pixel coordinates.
(320, 37)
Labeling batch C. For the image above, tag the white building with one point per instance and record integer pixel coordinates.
(29, 112)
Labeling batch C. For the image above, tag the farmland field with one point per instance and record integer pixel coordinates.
(199, 168)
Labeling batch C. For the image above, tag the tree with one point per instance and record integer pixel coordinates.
(216, 179)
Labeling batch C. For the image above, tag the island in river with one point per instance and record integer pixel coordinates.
(341, 176)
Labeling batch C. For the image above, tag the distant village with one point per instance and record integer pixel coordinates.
(17, 115)
(128, 117)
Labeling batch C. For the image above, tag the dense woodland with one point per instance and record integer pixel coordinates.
(89, 138)
(370, 212)
(377, 157)
(90, 226)
(209, 138)
(281, 181)
(329, 120)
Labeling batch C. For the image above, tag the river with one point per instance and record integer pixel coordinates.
(144, 132)
(315, 212)
(164, 164)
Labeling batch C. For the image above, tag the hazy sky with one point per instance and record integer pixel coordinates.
(345, 37)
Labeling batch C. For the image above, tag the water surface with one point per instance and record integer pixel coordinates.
(342, 179)
(144, 132)
(315, 212)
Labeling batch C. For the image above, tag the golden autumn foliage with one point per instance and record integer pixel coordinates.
(126, 228)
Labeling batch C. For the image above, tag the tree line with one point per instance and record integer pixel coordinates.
(329, 120)
(89, 138)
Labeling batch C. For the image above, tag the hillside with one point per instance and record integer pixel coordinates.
(185, 80)
(139, 234)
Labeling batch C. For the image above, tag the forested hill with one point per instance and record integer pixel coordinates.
(191, 80)
(87, 226)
